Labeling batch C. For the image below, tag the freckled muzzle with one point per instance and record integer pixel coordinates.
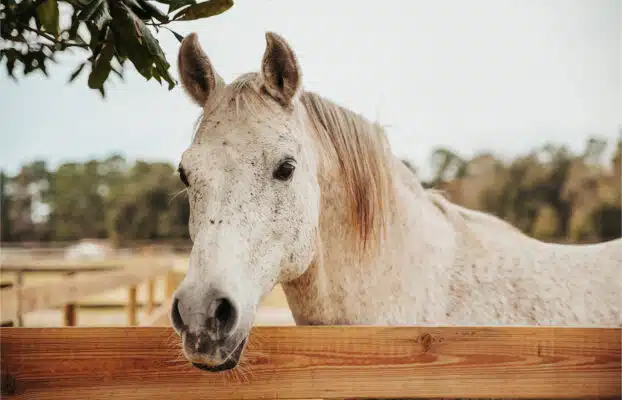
(210, 342)
(212, 356)
(230, 359)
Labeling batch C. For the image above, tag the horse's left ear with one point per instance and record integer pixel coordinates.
(281, 72)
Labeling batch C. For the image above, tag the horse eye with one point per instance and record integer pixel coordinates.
(285, 170)
(182, 176)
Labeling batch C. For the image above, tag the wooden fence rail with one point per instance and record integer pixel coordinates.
(317, 362)
(18, 299)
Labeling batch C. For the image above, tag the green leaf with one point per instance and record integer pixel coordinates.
(27, 59)
(167, 77)
(137, 9)
(97, 36)
(120, 58)
(87, 12)
(75, 73)
(96, 11)
(134, 40)
(203, 10)
(73, 29)
(177, 4)
(156, 75)
(11, 56)
(40, 57)
(48, 16)
(101, 67)
(153, 11)
(118, 73)
(177, 35)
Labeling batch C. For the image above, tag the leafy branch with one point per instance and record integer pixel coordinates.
(110, 31)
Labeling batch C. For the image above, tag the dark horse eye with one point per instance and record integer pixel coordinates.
(182, 176)
(285, 170)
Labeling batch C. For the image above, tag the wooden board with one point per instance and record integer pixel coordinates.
(58, 268)
(62, 265)
(317, 362)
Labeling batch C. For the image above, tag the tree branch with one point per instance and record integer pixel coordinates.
(52, 38)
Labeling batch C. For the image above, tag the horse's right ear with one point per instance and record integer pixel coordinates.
(197, 74)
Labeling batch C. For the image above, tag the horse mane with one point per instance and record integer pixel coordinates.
(358, 147)
(362, 153)
(457, 213)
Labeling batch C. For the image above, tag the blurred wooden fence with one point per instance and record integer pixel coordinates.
(317, 362)
(82, 279)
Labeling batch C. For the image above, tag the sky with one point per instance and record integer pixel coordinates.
(482, 75)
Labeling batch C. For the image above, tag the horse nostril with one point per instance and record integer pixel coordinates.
(175, 315)
(224, 316)
(224, 311)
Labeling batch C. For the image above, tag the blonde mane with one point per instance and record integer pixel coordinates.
(358, 147)
(362, 153)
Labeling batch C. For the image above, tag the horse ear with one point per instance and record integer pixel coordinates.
(281, 72)
(197, 74)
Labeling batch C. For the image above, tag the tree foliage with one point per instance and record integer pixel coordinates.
(112, 32)
(106, 198)
(550, 193)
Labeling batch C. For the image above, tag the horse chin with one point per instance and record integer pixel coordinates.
(231, 361)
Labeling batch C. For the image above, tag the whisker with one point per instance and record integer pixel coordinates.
(184, 190)
(255, 339)
(182, 367)
(234, 374)
(236, 346)
(244, 370)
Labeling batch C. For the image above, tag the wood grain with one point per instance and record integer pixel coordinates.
(317, 362)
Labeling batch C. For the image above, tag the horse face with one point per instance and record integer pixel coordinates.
(254, 200)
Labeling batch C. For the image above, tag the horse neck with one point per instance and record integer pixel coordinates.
(337, 285)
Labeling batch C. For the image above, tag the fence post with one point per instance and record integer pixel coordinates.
(20, 284)
(131, 306)
(150, 296)
(69, 311)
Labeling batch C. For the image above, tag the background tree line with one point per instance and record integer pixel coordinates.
(108, 198)
(549, 193)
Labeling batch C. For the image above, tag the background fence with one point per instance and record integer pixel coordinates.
(99, 288)
(81, 279)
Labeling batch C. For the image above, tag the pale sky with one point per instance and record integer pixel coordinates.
(500, 76)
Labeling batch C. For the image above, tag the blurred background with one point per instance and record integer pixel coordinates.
(513, 108)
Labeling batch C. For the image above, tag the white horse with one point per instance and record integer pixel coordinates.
(286, 186)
